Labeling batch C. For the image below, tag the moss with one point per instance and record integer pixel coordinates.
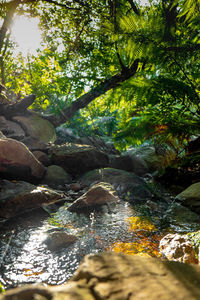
(194, 237)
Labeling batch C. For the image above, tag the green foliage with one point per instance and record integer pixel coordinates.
(2, 289)
(87, 43)
(195, 239)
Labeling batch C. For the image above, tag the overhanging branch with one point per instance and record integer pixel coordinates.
(99, 90)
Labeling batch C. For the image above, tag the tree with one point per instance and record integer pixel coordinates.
(148, 56)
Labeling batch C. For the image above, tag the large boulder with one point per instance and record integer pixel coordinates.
(11, 129)
(191, 197)
(17, 197)
(34, 144)
(130, 163)
(97, 195)
(110, 276)
(78, 159)
(16, 160)
(127, 184)
(98, 143)
(55, 176)
(178, 248)
(149, 155)
(37, 127)
(67, 135)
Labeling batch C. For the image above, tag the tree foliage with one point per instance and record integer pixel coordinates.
(133, 70)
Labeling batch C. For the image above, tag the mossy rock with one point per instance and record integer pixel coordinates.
(37, 127)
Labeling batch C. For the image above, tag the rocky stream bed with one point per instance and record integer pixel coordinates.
(60, 203)
(118, 227)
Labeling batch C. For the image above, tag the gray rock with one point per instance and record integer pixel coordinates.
(58, 239)
(190, 197)
(129, 163)
(55, 176)
(11, 129)
(148, 154)
(37, 127)
(78, 159)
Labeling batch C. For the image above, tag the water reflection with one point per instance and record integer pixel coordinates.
(119, 227)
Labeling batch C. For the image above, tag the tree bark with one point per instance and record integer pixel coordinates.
(7, 21)
(99, 90)
(11, 110)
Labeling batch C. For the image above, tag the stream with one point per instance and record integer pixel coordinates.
(121, 227)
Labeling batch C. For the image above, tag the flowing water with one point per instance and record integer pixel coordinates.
(119, 227)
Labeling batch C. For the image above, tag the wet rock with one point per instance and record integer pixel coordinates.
(37, 128)
(127, 185)
(75, 187)
(182, 217)
(191, 197)
(110, 276)
(55, 176)
(130, 163)
(178, 248)
(17, 160)
(11, 129)
(58, 239)
(98, 194)
(17, 197)
(78, 159)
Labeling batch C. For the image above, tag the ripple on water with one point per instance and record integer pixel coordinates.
(119, 227)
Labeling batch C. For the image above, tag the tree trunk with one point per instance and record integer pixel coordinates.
(7, 21)
(11, 110)
(99, 90)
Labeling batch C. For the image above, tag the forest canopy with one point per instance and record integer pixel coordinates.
(121, 68)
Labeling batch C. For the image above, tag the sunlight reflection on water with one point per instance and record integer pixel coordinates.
(115, 228)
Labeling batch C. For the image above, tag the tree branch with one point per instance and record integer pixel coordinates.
(10, 110)
(134, 7)
(99, 90)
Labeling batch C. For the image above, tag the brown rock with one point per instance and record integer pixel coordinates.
(110, 276)
(17, 160)
(19, 196)
(42, 157)
(75, 187)
(178, 248)
(98, 194)
(127, 184)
